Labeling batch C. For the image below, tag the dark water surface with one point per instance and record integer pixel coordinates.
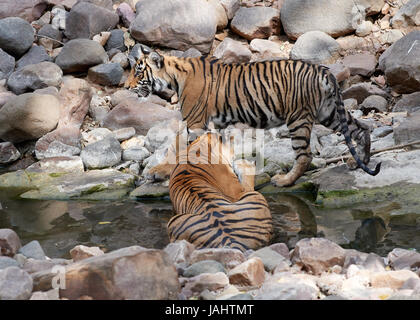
(61, 225)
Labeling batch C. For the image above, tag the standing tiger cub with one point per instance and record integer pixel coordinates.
(263, 94)
(213, 207)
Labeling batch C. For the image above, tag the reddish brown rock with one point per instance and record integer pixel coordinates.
(248, 274)
(362, 64)
(140, 115)
(316, 255)
(9, 242)
(133, 273)
(29, 10)
(340, 71)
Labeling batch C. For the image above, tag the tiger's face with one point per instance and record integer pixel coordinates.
(147, 72)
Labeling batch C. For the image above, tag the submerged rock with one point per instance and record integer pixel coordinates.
(95, 184)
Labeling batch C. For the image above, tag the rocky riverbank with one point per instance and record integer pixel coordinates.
(314, 269)
(69, 131)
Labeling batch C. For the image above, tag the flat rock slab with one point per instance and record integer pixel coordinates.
(150, 190)
(95, 184)
(133, 273)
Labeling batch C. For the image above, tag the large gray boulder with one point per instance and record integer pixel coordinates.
(336, 18)
(177, 24)
(35, 76)
(87, 19)
(28, 116)
(315, 47)
(16, 36)
(79, 55)
(408, 15)
(401, 64)
(256, 22)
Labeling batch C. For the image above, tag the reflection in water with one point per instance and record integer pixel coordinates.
(61, 225)
(292, 218)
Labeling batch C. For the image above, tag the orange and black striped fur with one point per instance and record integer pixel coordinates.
(213, 207)
(262, 94)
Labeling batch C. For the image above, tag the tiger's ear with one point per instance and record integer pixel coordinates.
(156, 59)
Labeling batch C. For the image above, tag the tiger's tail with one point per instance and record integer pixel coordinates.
(345, 131)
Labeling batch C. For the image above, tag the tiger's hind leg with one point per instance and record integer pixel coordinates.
(300, 132)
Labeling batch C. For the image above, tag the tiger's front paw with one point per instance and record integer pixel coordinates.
(281, 180)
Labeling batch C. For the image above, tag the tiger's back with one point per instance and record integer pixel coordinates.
(213, 208)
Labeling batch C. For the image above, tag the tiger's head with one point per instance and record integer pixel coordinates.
(147, 72)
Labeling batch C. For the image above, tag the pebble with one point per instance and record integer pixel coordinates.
(204, 266)
(248, 274)
(81, 252)
(270, 258)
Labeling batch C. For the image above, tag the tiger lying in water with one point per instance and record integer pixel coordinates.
(263, 94)
(213, 208)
